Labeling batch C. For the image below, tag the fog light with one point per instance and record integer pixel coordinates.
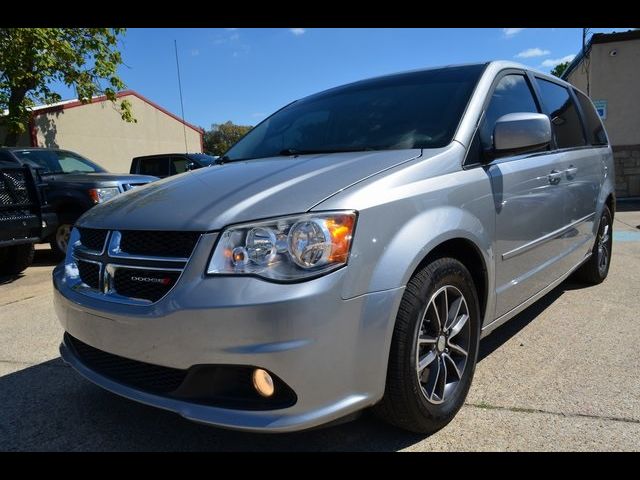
(262, 382)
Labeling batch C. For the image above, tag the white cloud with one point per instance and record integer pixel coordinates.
(510, 32)
(195, 52)
(552, 62)
(533, 52)
(297, 31)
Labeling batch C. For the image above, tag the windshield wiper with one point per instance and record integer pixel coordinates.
(296, 151)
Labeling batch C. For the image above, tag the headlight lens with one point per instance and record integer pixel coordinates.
(287, 248)
(101, 195)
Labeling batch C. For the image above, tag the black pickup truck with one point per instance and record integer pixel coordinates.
(74, 185)
(25, 218)
(164, 165)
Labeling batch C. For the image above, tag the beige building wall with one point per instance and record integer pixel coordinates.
(615, 79)
(97, 132)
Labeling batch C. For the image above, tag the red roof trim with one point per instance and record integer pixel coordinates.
(124, 93)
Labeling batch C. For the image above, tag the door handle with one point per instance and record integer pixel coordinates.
(554, 177)
(571, 172)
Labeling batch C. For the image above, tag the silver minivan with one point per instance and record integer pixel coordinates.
(349, 252)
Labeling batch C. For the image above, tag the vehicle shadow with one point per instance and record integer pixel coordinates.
(48, 407)
(45, 258)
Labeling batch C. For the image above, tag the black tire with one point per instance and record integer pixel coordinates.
(596, 269)
(16, 259)
(405, 403)
(57, 249)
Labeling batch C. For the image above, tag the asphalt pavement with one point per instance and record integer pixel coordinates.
(562, 375)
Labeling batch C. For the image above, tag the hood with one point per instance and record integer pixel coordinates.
(98, 178)
(211, 198)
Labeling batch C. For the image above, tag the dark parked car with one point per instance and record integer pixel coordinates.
(74, 185)
(168, 164)
(24, 218)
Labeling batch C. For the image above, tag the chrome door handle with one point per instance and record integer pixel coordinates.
(554, 177)
(571, 172)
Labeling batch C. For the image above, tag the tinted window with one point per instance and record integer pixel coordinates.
(567, 128)
(157, 167)
(595, 131)
(178, 165)
(511, 95)
(411, 110)
(58, 161)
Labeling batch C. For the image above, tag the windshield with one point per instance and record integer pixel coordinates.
(58, 161)
(410, 110)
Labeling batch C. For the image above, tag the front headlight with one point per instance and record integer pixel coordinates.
(286, 248)
(101, 195)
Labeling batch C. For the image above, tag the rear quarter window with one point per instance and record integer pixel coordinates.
(595, 130)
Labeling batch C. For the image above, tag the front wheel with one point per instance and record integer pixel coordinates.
(60, 240)
(16, 259)
(434, 348)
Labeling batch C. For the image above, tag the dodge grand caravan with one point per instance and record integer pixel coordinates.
(349, 252)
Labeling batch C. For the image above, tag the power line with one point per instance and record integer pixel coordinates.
(184, 125)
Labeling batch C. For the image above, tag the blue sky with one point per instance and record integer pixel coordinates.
(243, 75)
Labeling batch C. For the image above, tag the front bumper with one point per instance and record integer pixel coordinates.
(331, 352)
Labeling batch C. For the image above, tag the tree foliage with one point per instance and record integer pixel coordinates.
(32, 59)
(559, 69)
(223, 136)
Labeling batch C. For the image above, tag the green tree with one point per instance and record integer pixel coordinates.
(559, 69)
(31, 59)
(222, 136)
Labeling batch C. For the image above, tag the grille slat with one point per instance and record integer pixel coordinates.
(157, 265)
(93, 238)
(145, 284)
(89, 274)
(159, 244)
(145, 376)
(13, 189)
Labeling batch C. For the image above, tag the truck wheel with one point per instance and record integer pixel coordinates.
(60, 240)
(433, 349)
(16, 258)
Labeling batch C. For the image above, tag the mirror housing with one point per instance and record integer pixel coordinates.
(516, 133)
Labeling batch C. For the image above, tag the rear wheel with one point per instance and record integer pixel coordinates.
(16, 259)
(434, 348)
(596, 269)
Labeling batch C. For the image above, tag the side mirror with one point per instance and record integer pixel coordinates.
(520, 132)
(191, 166)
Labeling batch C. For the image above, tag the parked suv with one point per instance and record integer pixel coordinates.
(348, 252)
(24, 216)
(167, 164)
(74, 184)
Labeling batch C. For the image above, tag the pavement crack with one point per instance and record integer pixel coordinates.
(18, 300)
(487, 406)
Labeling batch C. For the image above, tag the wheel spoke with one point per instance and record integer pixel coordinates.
(458, 325)
(442, 377)
(452, 363)
(456, 348)
(455, 308)
(426, 361)
(435, 381)
(435, 307)
(426, 340)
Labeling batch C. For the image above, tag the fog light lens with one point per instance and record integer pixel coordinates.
(262, 382)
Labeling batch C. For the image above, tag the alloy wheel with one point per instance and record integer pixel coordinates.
(443, 344)
(603, 246)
